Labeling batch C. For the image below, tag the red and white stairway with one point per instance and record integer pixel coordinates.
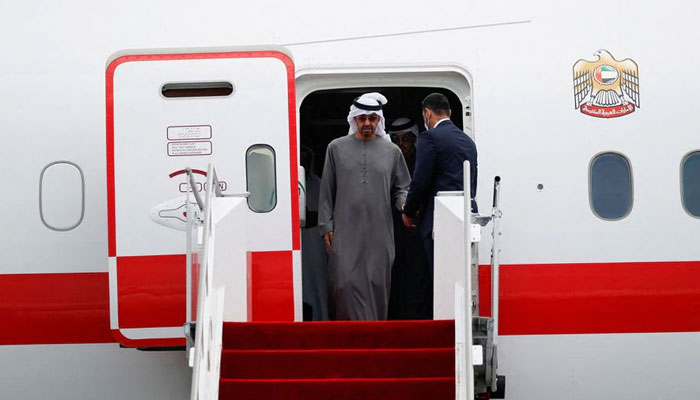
(451, 357)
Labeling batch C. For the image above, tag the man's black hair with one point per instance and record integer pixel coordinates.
(437, 102)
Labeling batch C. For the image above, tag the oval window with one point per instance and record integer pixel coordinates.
(61, 196)
(690, 183)
(260, 178)
(610, 186)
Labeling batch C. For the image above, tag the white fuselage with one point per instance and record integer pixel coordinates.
(630, 334)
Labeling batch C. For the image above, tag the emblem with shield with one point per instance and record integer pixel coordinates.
(606, 88)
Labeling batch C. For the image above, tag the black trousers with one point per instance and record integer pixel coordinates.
(411, 295)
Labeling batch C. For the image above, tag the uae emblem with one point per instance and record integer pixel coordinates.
(606, 88)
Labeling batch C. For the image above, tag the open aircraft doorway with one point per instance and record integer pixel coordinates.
(323, 118)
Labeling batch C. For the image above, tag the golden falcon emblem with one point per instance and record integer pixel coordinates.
(606, 88)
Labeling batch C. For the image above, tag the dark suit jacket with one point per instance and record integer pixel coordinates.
(439, 159)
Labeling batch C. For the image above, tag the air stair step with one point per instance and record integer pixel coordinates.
(338, 360)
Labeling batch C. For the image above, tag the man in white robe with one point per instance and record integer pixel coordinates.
(364, 176)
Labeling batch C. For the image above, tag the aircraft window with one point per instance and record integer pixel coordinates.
(690, 183)
(61, 196)
(610, 185)
(260, 177)
(197, 89)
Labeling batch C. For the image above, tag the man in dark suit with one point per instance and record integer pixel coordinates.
(439, 167)
(411, 291)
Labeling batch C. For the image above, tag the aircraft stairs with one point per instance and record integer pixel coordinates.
(335, 359)
(338, 360)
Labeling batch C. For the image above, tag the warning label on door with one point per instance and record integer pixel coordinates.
(190, 132)
(189, 148)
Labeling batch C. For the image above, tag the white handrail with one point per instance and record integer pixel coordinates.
(206, 353)
(204, 273)
(457, 231)
(193, 224)
(495, 257)
(192, 186)
(464, 373)
(466, 175)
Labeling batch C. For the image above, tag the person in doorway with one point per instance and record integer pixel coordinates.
(404, 133)
(439, 166)
(313, 253)
(364, 177)
(411, 289)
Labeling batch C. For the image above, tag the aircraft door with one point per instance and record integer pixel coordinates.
(170, 110)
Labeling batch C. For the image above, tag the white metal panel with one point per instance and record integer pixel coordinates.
(230, 266)
(257, 112)
(149, 333)
(113, 293)
(628, 366)
(449, 254)
(532, 134)
(452, 289)
(297, 282)
(92, 371)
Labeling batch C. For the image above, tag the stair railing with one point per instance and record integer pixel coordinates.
(194, 225)
(207, 281)
(204, 336)
(481, 362)
(457, 232)
(464, 368)
(196, 221)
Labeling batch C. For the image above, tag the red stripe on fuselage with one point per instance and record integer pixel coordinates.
(535, 299)
(595, 298)
(55, 308)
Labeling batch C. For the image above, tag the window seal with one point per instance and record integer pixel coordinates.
(82, 196)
